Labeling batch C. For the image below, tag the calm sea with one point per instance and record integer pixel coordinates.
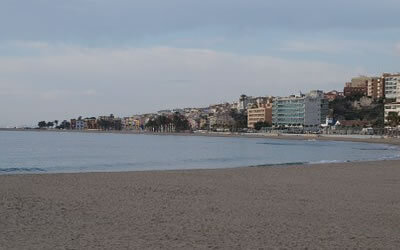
(48, 152)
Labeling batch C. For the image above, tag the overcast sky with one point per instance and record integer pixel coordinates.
(61, 59)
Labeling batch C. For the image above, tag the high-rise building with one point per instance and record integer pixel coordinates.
(376, 87)
(304, 111)
(392, 86)
(392, 94)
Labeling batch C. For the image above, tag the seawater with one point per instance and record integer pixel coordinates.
(55, 152)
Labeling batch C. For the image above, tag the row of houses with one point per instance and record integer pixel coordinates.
(309, 111)
(304, 111)
(386, 87)
(376, 87)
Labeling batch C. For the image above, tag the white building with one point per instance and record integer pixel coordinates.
(80, 124)
(392, 108)
(303, 111)
(392, 86)
(392, 91)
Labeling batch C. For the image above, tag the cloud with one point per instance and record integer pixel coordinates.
(93, 81)
(122, 19)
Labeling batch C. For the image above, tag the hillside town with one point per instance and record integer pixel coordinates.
(367, 105)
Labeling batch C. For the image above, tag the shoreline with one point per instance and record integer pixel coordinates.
(320, 137)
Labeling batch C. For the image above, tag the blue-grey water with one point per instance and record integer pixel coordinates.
(47, 152)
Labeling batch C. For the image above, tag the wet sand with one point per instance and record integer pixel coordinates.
(349, 205)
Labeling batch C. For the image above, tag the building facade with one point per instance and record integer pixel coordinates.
(90, 123)
(391, 85)
(302, 111)
(392, 108)
(80, 124)
(376, 87)
(262, 112)
(357, 86)
(333, 95)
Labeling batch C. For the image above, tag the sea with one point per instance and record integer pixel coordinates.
(57, 152)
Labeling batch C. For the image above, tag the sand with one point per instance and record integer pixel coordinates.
(350, 205)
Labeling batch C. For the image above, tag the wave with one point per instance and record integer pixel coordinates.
(20, 170)
(281, 164)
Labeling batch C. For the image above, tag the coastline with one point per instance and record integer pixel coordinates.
(339, 205)
(321, 137)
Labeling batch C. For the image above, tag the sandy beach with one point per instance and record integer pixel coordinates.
(349, 205)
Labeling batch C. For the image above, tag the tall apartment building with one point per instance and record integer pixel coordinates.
(392, 92)
(376, 87)
(261, 112)
(304, 111)
(392, 85)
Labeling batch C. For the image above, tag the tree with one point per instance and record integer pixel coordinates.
(163, 123)
(42, 124)
(259, 125)
(343, 109)
(50, 124)
(393, 119)
(104, 124)
(56, 122)
(239, 118)
(180, 122)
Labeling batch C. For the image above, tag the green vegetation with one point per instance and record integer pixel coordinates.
(239, 118)
(162, 123)
(393, 119)
(42, 124)
(106, 124)
(259, 125)
(345, 109)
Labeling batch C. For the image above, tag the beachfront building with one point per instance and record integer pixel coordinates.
(131, 123)
(302, 111)
(260, 112)
(392, 108)
(80, 124)
(392, 85)
(77, 124)
(376, 87)
(90, 123)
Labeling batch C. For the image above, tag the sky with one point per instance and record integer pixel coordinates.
(61, 59)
